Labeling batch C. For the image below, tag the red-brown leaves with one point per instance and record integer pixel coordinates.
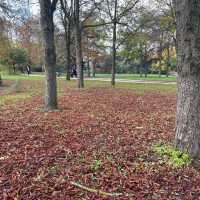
(41, 153)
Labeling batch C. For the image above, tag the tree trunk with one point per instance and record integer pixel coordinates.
(114, 55)
(168, 61)
(78, 45)
(67, 54)
(47, 26)
(114, 45)
(141, 65)
(88, 59)
(145, 69)
(160, 63)
(93, 69)
(88, 67)
(160, 55)
(145, 62)
(188, 67)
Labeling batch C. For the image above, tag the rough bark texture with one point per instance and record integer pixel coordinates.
(78, 45)
(188, 67)
(47, 26)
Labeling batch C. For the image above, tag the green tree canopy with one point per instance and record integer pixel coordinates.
(18, 56)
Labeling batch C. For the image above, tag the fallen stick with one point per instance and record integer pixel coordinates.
(96, 191)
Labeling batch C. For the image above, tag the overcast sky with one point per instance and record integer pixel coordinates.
(34, 5)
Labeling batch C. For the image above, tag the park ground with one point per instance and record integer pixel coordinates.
(150, 77)
(98, 145)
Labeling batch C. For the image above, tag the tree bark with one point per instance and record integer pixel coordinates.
(93, 68)
(114, 44)
(47, 27)
(187, 137)
(78, 45)
(88, 67)
(88, 59)
(68, 54)
(168, 61)
(114, 55)
(141, 65)
(160, 55)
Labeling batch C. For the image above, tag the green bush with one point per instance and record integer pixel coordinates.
(171, 156)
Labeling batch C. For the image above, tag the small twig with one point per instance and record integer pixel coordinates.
(95, 191)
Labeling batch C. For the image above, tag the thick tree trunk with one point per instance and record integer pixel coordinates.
(78, 45)
(47, 27)
(188, 66)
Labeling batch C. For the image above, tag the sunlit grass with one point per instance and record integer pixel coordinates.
(20, 77)
(138, 88)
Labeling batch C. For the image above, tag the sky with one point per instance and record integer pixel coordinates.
(34, 5)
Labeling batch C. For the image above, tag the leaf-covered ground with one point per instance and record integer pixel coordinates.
(101, 138)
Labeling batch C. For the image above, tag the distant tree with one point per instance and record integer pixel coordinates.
(18, 58)
(78, 43)
(67, 9)
(29, 38)
(116, 11)
(47, 9)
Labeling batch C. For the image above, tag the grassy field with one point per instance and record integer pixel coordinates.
(33, 85)
(151, 77)
(118, 76)
(139, 88)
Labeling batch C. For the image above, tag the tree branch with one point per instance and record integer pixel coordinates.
(53, 5)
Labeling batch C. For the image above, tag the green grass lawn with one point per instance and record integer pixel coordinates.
(151, 77)
(37, 85)
(20, 77)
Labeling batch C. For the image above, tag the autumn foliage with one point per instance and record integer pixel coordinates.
(101, 138)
